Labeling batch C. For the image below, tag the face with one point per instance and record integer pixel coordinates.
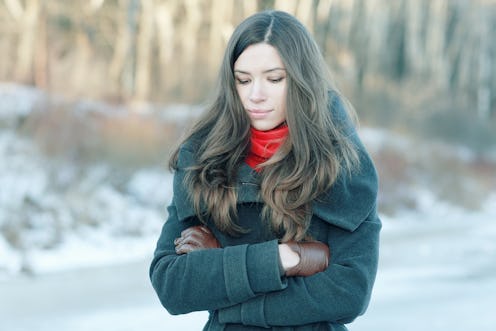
(261, 84)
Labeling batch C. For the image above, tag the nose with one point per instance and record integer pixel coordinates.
(257, 93)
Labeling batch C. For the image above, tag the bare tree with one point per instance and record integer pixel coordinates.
(144, 50)
(169, 50)
(27, 22)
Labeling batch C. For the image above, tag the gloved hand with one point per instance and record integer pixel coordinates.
(314, 258)
(195, 238)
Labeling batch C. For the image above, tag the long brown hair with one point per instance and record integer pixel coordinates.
(308, 162)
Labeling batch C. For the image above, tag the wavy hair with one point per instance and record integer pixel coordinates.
(307, 163)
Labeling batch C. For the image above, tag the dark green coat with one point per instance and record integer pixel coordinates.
(240, 284)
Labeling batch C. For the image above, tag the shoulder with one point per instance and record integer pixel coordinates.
(350, 200)
(353, 195)
(341, 112)
(187, 153)
(186, 158)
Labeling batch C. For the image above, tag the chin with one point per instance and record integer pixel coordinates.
(266, 126)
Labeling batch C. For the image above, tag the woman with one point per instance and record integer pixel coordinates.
(273, 221)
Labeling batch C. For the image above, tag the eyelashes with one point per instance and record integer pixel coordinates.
(247, 81)
(242, 81)
(276, 80)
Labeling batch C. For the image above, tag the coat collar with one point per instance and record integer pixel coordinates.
(351, 198)
(346, 205)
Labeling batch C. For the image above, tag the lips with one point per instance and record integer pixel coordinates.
(258, 111)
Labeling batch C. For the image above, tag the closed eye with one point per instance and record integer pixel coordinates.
(242, 81)
(276, 80)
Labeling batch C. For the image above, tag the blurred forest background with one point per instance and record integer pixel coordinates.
(116, 82)
(427, 63)
(95, 93)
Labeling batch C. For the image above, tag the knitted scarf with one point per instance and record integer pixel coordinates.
(264, 144)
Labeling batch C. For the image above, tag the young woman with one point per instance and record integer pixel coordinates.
(273, 222)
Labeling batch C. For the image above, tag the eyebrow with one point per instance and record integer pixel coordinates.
(264, 72)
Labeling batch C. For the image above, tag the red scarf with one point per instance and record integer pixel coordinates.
(264, 144)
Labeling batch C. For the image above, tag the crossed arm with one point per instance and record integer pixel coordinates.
(244, 283)
(296, 258)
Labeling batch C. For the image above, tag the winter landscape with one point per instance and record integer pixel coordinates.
(95, 94)
(76, 238)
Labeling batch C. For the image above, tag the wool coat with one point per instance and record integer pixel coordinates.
(241, 284)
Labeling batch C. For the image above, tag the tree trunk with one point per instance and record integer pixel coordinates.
(286, 5)
(189, 42)
(42, 55)
(121, 48)
(435, 43)
(143, 51)
(220, 9)
(25, 49)
(484, 68)
(166, 30)
(322, 24)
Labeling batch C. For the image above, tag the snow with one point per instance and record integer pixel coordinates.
(18, 100)
(88, 223)
(75, 244)
(434, 274)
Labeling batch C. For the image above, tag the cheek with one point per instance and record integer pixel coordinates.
(282, 100)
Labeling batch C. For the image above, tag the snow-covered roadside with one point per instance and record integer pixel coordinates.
(435, 274)
(63, 217)
(111, 297)
(55, 216)
(18, 101)
(58, 214)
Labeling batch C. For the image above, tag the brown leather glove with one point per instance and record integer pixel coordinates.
(314, 258)
(195, 238)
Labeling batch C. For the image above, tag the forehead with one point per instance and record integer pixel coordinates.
(259, 57)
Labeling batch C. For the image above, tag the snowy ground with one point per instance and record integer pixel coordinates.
(75, 249)
(434, 275)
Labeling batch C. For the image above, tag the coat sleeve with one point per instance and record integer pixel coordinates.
(339, 294)
(209, 279)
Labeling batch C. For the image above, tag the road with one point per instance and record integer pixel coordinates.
(101, 298)
(436, 278)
